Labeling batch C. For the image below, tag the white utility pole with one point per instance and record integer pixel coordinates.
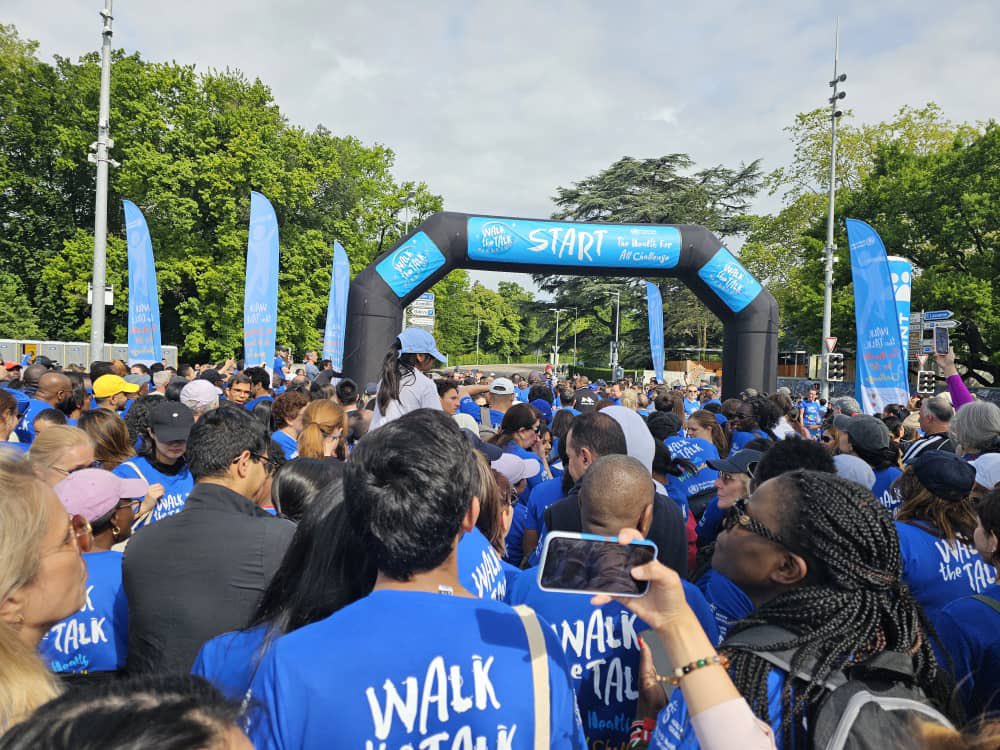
(828, 285)
(100, 157)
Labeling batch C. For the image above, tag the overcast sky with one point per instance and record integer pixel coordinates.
(496, 104)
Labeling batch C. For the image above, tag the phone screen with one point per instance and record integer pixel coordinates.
(585, 564)
(941, 340)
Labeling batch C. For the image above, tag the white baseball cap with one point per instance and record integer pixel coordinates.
(502, 387)
(515, 468)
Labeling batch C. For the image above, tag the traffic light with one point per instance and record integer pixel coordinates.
(926, 380)
(618, 373)
(835, 367)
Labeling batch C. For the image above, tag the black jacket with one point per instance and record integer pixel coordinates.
(667, 530)
(197, 574)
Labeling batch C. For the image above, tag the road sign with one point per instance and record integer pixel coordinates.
(945, 324)
(937, 315)
(915, 317)
(425, 297)
(928, 348)
(922, 359)
(831, 343)
(421, 312)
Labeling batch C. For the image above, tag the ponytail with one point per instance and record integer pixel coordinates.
(395, 367)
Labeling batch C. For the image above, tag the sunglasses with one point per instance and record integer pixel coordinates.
(737, 516)
(67, 472)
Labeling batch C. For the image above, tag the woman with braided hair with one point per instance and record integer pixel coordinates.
(820, 560)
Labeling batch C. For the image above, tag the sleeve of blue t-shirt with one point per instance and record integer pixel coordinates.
(673, 725)
(699, 605)
(710, 522)
(541, 498)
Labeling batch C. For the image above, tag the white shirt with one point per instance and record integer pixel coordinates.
(415, 392)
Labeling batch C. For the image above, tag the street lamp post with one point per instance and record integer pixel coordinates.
(555, 363)
(576, 315)
(478, 322)
(410, 195)
(100, 157)
(614, 347)
(828, 285)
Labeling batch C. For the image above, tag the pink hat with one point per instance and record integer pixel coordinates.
(95, 492)
(515, 468)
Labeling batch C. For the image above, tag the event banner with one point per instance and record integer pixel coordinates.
(143, 300)
(654, 304)
(336, 311)
(881, 360)
(410, 264)
(260, 301)
(901, 271)
(534, 242)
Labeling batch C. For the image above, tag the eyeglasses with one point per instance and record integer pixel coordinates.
(270, 464)
(737, 516)
(79, 532)
(67, 472)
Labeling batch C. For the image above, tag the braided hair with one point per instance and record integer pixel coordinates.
(851, 606)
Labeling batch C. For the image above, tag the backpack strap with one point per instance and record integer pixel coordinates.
(989, 601)
(484, 416)
(539, 673)
(758, 638)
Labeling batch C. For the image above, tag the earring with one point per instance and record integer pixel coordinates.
(19, 622)
(115, 530)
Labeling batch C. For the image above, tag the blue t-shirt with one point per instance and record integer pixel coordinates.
(741, 438)
(230, 660)
(883, 480)
(496, 417)
(698, 451)
(23, 447)
(287, 443)
(602, 649)
(726, 600)
(546, 493)
(690, 407)
(95, 639)
(467, 406)
(479, 567)
(812, 419)
(521, 394)
(970, 632)
(938, 572)
(409, 669)
(252, 403)
(515, 534)
(673, 725)
(710, 523)
(279, 368)
(176, 487)
(536, 480)
(25, 429)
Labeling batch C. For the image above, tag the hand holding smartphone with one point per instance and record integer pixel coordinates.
(575, 563)
(942, 340)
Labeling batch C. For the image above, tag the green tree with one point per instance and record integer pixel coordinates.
(192, 146)
(661, 190)
(17, 316)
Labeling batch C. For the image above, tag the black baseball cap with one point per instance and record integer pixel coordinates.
(947, 475)
(492, 452)
(171, 421)
(741, 462)
(584, 400)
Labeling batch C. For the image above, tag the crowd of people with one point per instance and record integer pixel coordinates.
(278, 557)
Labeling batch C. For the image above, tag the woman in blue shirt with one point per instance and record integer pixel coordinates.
(756, 417)
(818, 558)
(969, 628)
(868, 438)
(935, 523)
(92, 643)
(519, 435)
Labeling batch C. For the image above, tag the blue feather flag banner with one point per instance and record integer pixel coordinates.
(336, 311)
(260, 301)
(654, 303)
(144, 343)
(881, 359)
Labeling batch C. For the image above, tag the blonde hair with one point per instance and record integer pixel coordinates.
(25, 683)
(49, 447)
(320, 419)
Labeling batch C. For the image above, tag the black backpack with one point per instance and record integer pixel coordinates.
(871, 706)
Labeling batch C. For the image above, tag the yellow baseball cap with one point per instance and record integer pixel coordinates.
(109, 385)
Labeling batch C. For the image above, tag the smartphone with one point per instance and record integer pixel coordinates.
(942, 343)
(588, 564)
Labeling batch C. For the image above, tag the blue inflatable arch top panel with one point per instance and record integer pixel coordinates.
(449, 240)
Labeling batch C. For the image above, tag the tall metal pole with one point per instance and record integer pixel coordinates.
(555, 363)
(828, 285)
(102, 145)
(614, 350)
(478, 321)
(576, 315)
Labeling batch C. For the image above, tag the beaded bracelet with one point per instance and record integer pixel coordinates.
(682, 672)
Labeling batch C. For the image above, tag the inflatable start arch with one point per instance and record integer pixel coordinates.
(448, 240)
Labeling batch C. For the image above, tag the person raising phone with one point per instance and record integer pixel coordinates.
(615, 492)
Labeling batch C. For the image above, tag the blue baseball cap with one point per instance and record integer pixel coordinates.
(544, 408)
(21, 399)
(419, 341)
